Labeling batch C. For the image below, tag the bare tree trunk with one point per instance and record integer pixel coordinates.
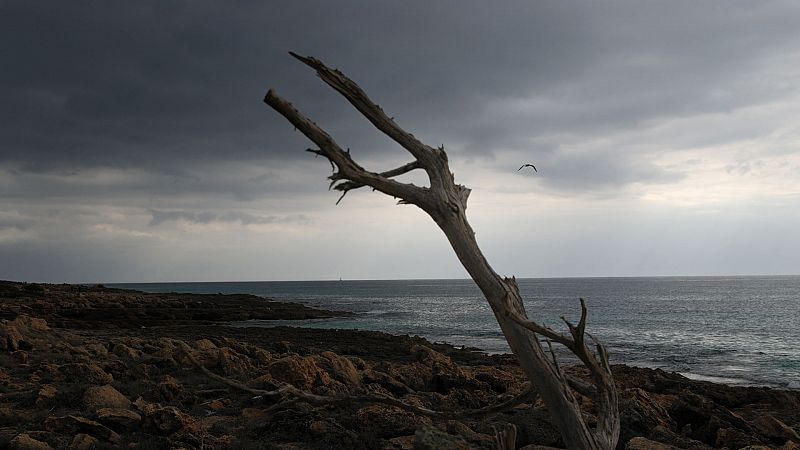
(446, 202)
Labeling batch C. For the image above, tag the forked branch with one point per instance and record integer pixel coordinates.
(446, 202)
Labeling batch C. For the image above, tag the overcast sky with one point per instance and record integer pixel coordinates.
(134, 145)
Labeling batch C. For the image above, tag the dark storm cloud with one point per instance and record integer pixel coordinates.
(166, 85)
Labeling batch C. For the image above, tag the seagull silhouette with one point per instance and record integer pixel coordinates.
(527, 165)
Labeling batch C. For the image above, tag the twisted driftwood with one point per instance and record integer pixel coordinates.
(446, 202)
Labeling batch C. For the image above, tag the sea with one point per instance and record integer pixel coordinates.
(740, 330)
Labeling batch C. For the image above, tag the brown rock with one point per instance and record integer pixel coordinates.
(169, 388)
(123, 351)
(76, 424)
(640, 412)
(25, 442)
(31, 323)
(232, 362)
(204, 344)
(97, 397)
(400, 443)
(10, 337)
(85, 372)
(431, 357)
(83, 442)
(733, 438)
(168, 420)
(262, 356)
(640, 443)
(118, 419)
(340, 368)
(774, 429)
(216, 405)
(302, 373)
(46, 396)
(386, 381)
(389, 421)
(96, 349)
(500, 381)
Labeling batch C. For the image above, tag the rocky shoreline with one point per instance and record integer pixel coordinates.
(91, 367)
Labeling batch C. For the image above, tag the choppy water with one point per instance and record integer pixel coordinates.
(736, 330)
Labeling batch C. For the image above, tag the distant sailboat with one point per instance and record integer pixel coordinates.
(340, 278)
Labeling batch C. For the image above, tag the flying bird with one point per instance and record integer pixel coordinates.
(527, 165)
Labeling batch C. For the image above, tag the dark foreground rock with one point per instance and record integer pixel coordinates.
(105, 385)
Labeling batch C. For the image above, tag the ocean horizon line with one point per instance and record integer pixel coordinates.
(343, 279)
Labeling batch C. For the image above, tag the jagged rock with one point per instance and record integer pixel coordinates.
(430, 438)
(400, 443)
(169, 388)
(25, 442)
(164, 420)
(733, 438)
(168, 420)
(774, 429)
(640, 443)
(97, 397)
(10, 337)
(666, 436)
(27, 322)
(443, 375)
(302, 373)
(124, 351)
(498, 380)
(340, 368)
(118, 419)
(431, 357)
(83, 442)
(85, 372)
(46, 396)
(386, 381)
(204, 344)
(75, 424)
(702, 418)
(96, 349)
(389, 421)
(216, 405)
(262, 356)
(640, 413)
(232, 362)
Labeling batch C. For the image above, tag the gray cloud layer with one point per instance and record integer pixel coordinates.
(156, 106)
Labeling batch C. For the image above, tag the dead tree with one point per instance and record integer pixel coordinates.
(446, 202)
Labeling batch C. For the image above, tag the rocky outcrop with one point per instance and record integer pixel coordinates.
(97, 397)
